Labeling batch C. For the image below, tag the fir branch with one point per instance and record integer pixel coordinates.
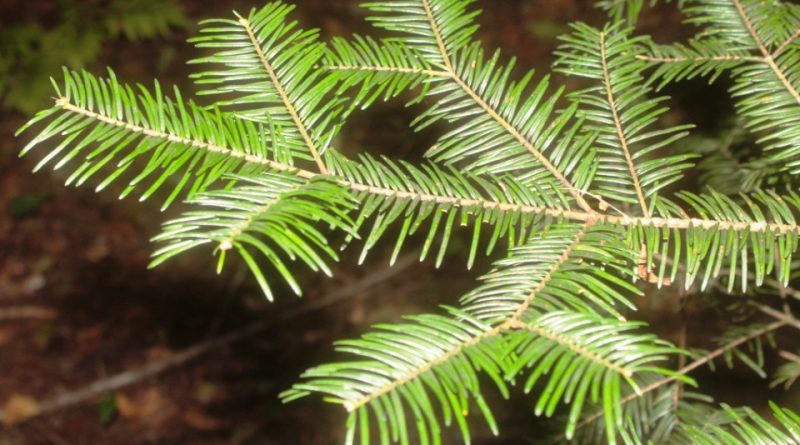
(699, 59)
(565, 255)
(738, 39)
(451, 50)
(409, 361)
(64, 103)
(612, 104)
(454, 75)
(388, 69)
(290, 107)
(621, 113)
(271, 67)
(415, 373)
(692, 366)
(554, 307)
(272, 215)
(744, 426)
(574, 347)
(437, 34)
(625, 221)
(511, 322)
(785, 44)
(768, 57)
(470, 201)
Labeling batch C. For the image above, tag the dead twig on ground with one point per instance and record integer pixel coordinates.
(130, 377)
(23, 312)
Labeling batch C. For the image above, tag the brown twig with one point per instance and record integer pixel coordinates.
(132, 376)
(789, 319)
(678, 394)
(694, 365)
(32, 312)
(723, 57)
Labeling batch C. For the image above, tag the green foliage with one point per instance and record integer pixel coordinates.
(788, 372)
(730, 163)
(629, 10)
(30, 53)
(756, 41)
(584, 269)
(112, 123)
(622, 112)
(654, 420)
(269, 70)
(498, 122)
(380, 68)
(281, 209)
(432, 362)
(511, 327)
(745, 426)
(609, 358)
(591, 202)
(654, 417)
(442, 197)
(727, 246)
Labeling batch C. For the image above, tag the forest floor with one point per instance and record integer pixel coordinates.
(77, 303)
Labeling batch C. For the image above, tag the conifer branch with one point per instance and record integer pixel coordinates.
(709, 357)
(623, 140)
(516, 316)
(290, 108)
(572, 215)
(572, 346)
(621, 112)
(692, 366)
(351, 406)
(582, 203)
(768, 58)
(513, 161)
(687, 223)
(574, 191)
(718, 58)
(389, 69)
(437, 34)
(237, 230)
(64, 103)
(785, 44)
(512, 322)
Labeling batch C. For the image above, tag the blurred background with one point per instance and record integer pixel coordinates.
(77, 304)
